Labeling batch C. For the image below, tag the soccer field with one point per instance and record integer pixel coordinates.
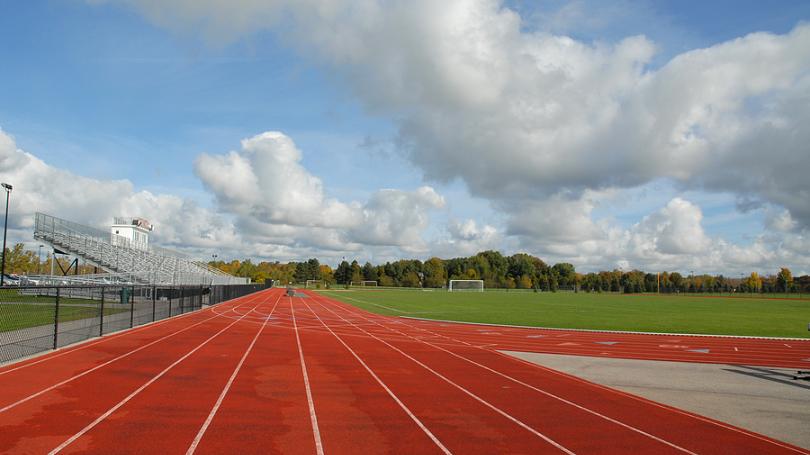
(645, 313)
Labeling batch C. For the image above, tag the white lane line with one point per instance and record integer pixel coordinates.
(462, 389)
(68, 350)
(659, 405)
(385, 387)
(86, 372)
(644, 400)
(312, 416)
(136, 392)
(546, 393)
(227, 387)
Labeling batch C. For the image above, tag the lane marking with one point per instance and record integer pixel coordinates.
(227, 387)
(113, 336)
(385, 387)
(137, 391)
(551, 395)
(97, 367)
(653, 403)
(313, 418)
(462, 389)
(619, 392)
(699, 351)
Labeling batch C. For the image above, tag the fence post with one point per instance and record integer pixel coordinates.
(171, 294)
(154, 292)
(101, 315)
(56, 321)
(132, 307)
(199, 307)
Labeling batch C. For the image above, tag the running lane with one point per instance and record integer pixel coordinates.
(580, 416)
(43, 419)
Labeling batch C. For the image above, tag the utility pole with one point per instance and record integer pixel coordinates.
(5, 230)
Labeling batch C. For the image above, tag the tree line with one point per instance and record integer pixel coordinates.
(518, 271)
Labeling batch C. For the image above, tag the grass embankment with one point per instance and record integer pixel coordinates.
(645, 313)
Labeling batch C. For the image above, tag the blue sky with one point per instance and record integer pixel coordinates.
(107, 91)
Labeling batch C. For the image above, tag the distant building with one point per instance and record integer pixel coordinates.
(131, 233)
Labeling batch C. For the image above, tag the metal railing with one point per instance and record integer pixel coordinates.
(40, 318)
(152, 266)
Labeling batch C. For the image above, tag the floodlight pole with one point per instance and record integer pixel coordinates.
(39, 257)
(5, 230)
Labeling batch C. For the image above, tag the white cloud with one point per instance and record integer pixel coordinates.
(41, 187)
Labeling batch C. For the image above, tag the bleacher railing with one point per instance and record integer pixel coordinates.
(115, 254)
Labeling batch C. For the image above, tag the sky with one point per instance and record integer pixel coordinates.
(665, 135)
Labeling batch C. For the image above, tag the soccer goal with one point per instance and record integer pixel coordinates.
(466, 285)
(363, 283)
(314, 284)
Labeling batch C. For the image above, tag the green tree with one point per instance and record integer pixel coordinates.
(784, 279)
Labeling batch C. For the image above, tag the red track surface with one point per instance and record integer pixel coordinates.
(270, 374)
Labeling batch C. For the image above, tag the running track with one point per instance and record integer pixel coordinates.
(269, 374)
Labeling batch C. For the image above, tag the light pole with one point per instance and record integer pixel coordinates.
(5, 230)
(39, 256)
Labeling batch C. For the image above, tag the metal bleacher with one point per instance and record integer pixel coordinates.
(122, 262)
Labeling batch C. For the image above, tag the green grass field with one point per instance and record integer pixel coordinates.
(18, 311)
(20, 316)
(646, 313)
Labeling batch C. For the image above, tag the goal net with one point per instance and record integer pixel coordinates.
(314, 284)
(466, 285)
(363, 283)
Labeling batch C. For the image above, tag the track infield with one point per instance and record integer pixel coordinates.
(271, 374)
(714, 315)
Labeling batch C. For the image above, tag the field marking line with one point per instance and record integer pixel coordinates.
(644, 400)
(543, 392)
(86, 372)
(227, 387)
(98, 340)
(381, 306)
(744, 337)
(464, 390)
(108, 362)
(121, 403)
(312, 416)
(663, 406)
(384, 386)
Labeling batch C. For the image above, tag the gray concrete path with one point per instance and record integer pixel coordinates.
(764, 400)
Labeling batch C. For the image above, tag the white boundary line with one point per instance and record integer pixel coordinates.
(115, 359)
(607, 331)
(312, 416)
(121, 403)
(385, 387)
(543, 392)
(644, 400)
(462, 389)
(227, 387)
(663, 406)
(86, 372)
(79, 345)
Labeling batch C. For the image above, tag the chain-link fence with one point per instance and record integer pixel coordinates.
(40, 318)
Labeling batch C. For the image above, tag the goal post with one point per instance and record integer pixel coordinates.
(313, 284)
(466, 285)
(367, 283)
